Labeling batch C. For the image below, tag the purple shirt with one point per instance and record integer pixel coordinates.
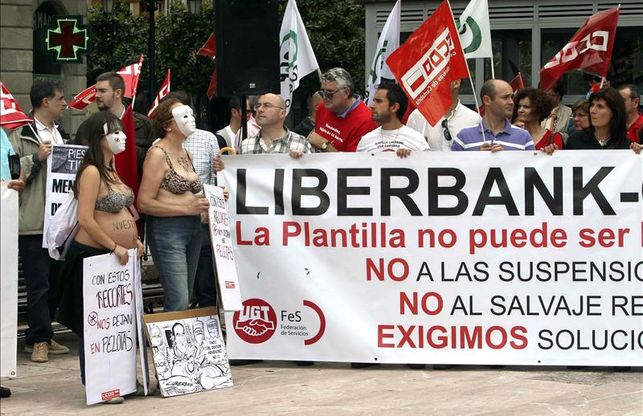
(510, 138)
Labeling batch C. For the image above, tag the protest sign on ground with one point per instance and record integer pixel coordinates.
(188, 351)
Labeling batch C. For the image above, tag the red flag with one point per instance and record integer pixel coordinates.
(590, 49)
(11, 116)
(83, 98)
(517, 83)
(163, 91)
(428, 61)
(126, 161)
(131, 74)
(209, 48)
(212, 88)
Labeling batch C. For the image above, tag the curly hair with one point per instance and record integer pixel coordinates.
(540, 103)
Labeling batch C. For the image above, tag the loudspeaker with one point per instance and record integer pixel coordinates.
(247, 58)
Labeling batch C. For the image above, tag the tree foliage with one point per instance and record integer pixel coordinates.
(116, 37)
(335, 29)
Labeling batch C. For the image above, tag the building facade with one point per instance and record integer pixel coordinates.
(527, 34)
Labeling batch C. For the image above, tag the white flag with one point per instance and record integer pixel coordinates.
(388, 42)
(475, 31)
(296, 56)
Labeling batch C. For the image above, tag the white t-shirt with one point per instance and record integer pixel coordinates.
(462, 118)
(380, 140)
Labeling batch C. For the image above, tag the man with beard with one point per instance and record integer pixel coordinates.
(388, 107)
(494, 132)
(110, 90)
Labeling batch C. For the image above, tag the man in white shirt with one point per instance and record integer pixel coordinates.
(388, 107)
(440, 137)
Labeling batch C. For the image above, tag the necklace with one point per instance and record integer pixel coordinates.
(397, 134)
(602, 142)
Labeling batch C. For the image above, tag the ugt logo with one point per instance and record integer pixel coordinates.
(257, 321)
(429, 66)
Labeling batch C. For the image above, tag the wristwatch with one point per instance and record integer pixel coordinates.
(324, 146)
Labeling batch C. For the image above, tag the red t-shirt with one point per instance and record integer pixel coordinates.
(344, 133)
(557, 140)
(633, 131)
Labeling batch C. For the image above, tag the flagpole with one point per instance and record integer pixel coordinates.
(473, 88)
(493, 75)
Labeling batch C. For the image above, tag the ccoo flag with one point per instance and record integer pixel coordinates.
(11, 115)
(590, 49)
(388, 42)
(296, 56)
(163, 91)
(474, 30)
(428, 61)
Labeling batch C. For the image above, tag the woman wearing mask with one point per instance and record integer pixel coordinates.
(171, 194)
(106, 224)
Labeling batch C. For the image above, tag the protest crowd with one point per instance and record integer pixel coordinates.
(158, 206)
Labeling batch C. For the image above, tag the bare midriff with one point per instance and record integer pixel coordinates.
(120, 227)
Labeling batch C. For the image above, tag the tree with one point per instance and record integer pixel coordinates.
(116, 39)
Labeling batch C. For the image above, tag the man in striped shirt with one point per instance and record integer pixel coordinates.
(495, 132)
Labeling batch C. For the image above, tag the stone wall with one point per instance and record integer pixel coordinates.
(16, 54)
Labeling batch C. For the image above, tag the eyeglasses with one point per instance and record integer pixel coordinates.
(328, 94)
(445, 131)
(267, 106)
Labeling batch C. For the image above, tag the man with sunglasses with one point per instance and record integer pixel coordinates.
(495, 132)
(343, 119)
(440, 137)
(388, 107)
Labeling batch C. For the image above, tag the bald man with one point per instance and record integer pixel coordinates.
(274, 137)
(499, 134)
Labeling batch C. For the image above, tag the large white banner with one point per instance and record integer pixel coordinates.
(454, 258)
(110, 327)
(62, 165)
(8, 281)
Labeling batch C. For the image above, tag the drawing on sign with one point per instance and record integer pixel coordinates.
(189, 355)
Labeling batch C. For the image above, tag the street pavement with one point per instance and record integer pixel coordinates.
(281, 388)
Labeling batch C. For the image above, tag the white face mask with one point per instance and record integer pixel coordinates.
(184, 119)
(116, 140)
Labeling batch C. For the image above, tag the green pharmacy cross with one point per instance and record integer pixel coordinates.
(67, 39)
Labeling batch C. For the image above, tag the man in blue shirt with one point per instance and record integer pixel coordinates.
(499, 134)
